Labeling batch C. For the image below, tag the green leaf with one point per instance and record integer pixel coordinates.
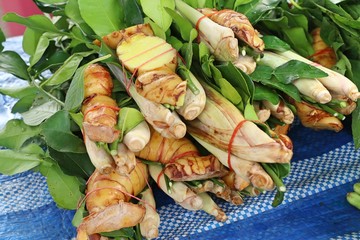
(67, 70)
(64, 189)
(73, 12)
(12, 63)
(155, 10)
(122, 233)
(19, 92)
(158, 31)
(41, 47)
(241, 82)
(297, 38)
(74, 164)
(37, 114)
(230, 93)
(79, 215)
(75, 94)
(262, 72)
(272, 82)
(53, 62)
(275, 43)
(13, 162)
(294, 69)
(282, 170)
(58, 136)
(355, 126)
(23, 104)
(103, 17)
(183, 25)
(2, 40)
(132, 12)
(265, 93)
(15, 133)
(256, 9)
(30, 40)
(36, 22)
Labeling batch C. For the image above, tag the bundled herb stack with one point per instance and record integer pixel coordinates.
(196, 98)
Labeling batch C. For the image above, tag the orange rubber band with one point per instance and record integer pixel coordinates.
(236, 129)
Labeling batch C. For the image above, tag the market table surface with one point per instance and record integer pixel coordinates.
(324, 168)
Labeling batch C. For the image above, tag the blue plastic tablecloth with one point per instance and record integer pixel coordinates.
(324, 168)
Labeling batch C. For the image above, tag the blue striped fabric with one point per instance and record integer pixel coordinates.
(324, 168)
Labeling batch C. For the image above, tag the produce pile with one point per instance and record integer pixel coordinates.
(196, 97)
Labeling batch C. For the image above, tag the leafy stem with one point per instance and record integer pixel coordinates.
(47, 93)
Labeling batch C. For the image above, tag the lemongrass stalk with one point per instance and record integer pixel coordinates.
(210, 207)
(137, 138)
(99, 157)
(250, 171)
(263, 114)
(252, 191)
(149, 226)
(280, 111)
(221, 124)
(220, 40)
(125, 160)
(343, 105)
(235, 182)
(312, 88)
(334, 82)
(246, 63)
(194, 103)
(179, 191)
(204, 186)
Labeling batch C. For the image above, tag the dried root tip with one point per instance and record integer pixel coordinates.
(317, 119)
(354, 95)
(246, 63)
(125, 160)
(262, 113)
(236, 199)
(347, 106)
(192, 203)
(205, 186)
(282, 129)
(176, 130)
(252, 191)
(210, 207)
(235, 182)
(149, 227)
(260, 179)
(280, 111)
(137, 138)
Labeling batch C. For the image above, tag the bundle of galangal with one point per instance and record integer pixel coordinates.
(193, 144)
